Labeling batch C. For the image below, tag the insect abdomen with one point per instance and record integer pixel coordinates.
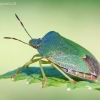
(80, 74)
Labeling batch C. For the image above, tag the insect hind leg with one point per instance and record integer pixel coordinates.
(70, 79)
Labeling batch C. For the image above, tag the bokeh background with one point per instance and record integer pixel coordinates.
(78, 20)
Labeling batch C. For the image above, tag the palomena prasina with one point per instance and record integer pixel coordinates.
(63, 54)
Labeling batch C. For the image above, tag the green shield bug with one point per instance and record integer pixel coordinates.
(63, 54)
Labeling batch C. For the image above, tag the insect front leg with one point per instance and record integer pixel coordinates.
(35, 60)
(43, 73)
(27, 64)
(70, 79)
(37, 55)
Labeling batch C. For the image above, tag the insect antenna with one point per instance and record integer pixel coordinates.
(17, 40)
(23, 26)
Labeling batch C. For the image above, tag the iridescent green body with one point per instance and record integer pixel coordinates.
(65, 53)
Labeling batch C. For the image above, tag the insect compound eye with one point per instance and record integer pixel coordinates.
(37, 46)
(38, 42)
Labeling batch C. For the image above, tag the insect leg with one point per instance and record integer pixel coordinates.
(37, 55)
(43, 73)
(26, 65)
(70, 79)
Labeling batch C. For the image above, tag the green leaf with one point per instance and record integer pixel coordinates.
(54, 78)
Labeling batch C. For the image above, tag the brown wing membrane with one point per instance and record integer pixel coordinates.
(93, 65)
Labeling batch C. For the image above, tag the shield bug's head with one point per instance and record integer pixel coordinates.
(35, 42)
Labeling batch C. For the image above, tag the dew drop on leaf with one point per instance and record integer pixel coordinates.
(68, 89)
(12, 79)
(27, 82)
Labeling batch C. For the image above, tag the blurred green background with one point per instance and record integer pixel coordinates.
(78, 20)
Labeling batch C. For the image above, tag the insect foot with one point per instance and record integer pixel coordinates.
(12, 77)
(43, 83)
(73, 81)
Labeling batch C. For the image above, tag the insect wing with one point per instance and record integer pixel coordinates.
(71, 62)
